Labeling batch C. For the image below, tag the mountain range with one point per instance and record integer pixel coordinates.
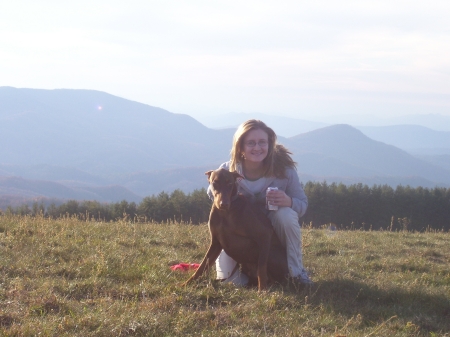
(430, 136)
(84, 144)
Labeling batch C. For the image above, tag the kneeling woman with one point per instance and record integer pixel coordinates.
(263, 163)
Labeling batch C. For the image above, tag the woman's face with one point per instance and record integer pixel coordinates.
(255, 146)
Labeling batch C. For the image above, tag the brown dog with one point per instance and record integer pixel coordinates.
(243, 231)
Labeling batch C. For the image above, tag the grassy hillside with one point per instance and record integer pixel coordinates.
(71, 278)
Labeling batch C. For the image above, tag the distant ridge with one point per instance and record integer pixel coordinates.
(417, 134)
(284, 126)
(412, 138)
(31, 189)
(345, 144)
(97, 132)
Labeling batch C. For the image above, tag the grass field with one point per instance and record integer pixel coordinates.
(71, 278)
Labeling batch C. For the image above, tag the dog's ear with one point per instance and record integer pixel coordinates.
(209, 174)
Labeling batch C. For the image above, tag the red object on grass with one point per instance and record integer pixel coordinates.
(185, 266)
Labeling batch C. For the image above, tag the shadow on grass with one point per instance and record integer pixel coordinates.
(347, 297)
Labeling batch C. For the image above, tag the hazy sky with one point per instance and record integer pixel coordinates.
(292, 58)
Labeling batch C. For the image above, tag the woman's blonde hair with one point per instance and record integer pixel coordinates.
(278, 157)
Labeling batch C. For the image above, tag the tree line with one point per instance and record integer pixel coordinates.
(359, 206)
(175, 207)
(355, 206)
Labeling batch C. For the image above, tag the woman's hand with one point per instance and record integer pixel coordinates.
(279, 198)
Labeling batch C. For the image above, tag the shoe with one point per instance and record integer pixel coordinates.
(303, 278)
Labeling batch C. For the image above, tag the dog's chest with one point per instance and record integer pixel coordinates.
(229, 223)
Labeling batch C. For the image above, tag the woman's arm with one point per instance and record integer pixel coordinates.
(295, 190)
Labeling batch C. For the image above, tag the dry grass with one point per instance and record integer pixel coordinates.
(71, 278)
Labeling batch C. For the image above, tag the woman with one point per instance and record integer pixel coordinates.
(263, 163)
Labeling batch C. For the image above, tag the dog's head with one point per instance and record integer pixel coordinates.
(223, 186)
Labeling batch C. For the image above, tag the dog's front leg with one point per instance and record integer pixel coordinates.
(211, 256)
(263, 258)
